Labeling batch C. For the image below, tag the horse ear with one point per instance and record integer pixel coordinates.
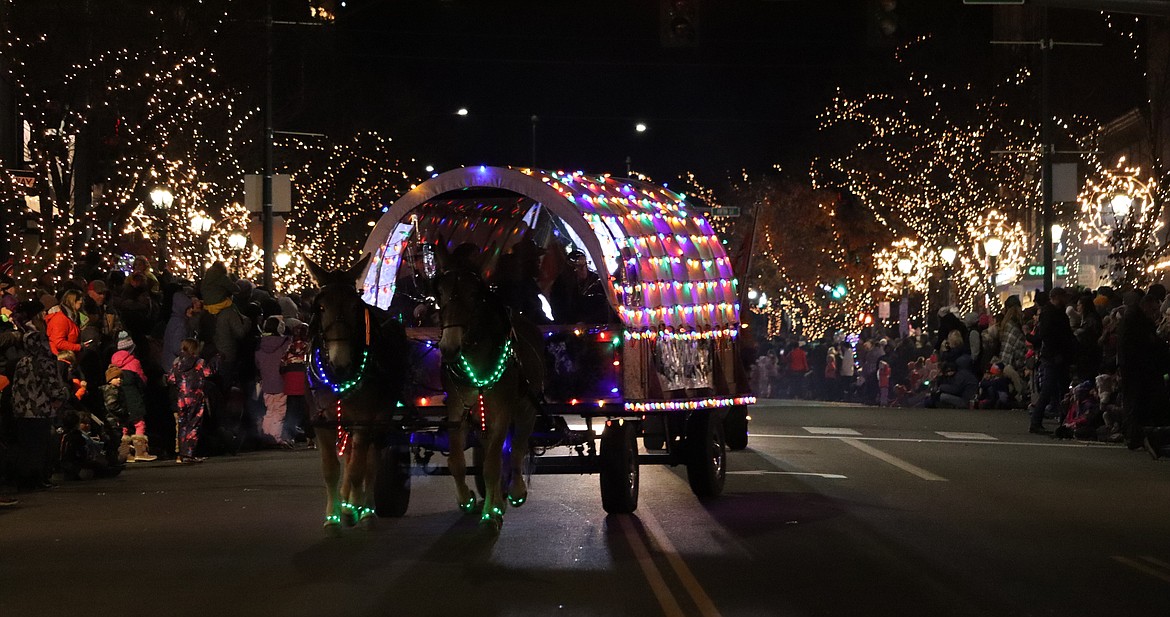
(319, 274)
(355, 271)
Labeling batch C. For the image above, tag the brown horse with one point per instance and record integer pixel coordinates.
(493, 373)
(358, 368)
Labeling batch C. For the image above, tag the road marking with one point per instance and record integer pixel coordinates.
(658, 538)
(1156, 561)
(670, 607)
(1051, 443)
(764, 472)
(895, 461)
(1143, 568)
(829, 430)
(971, 436)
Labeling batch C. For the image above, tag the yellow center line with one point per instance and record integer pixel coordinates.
(670, 606)
(663, 545)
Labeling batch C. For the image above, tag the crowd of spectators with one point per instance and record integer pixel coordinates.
(1095, 363)
(107, 369)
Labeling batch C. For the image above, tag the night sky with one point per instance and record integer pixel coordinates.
(746, 96)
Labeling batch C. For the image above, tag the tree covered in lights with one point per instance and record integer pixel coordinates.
(810, 252)
(931, 157)
(342, 189)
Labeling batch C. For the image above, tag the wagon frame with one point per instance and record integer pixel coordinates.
(665, 366)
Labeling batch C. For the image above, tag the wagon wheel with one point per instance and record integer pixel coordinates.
(619, 467)
(392, 489)
(735, 427)
(706, 452)
(654, 432)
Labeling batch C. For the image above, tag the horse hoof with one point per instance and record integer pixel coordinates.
(366, 520)
(517, 501)
(332, 526)
(468, 506)
(491, 520)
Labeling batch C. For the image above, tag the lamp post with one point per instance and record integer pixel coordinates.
(201, 225)
(992, 245)
(162, 200)
(283, 259)
(905, 266)
(237, 241)
(948, 254)
(1057, 247)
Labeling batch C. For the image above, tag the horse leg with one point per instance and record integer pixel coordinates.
(523, 424)
(360, 443)
(456, 461)
(331, 470)
(493, 446)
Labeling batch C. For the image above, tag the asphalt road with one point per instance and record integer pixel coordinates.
(832, 510)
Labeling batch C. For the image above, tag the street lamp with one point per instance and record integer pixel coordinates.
(905, 266)
(162, 200)
(237, 241)
(992, 245)
(948, 254)
(283, 259)
(1120, 204)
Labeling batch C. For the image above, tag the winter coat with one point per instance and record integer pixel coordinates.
(126, 361)
(115, 406)
(63, 332)
(37, 388)
(230, 327)
(216, 285)
(133, 396)
(268, 357)
(798, 360)
(188, 373)
(1012, 346)
(178, 328)
(293, 366)
(1055, 335)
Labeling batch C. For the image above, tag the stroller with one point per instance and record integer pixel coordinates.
(91, 445)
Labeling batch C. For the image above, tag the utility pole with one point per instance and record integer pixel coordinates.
(266, 208)
(1047, 148)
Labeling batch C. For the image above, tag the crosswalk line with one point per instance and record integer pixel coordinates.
(830, 430)
(967, 436)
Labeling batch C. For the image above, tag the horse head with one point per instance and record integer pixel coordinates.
(461, 294)
(340, 325)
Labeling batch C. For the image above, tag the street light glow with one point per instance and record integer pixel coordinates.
(640, 127)
(161, 198)
(1121, 203)
(462, 111)
(1057, 232)
(993, 245)
(905, 265)
(283, 259)
(948, 254)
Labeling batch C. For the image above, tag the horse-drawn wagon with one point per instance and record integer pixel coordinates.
(658, 360)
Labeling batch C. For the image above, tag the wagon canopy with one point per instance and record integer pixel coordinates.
(661, 264)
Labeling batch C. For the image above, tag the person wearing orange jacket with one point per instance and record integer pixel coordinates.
(63, 325)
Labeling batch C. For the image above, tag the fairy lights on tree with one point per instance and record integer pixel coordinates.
(1119, 211)
(342, 190)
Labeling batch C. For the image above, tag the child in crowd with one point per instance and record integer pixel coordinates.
(273, 345)
(883, 377)
(132, 392)
(188, 372)
(994, 389)
(296, 385)
(116, 409)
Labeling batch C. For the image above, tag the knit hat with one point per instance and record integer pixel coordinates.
(125, 343)
(112, 373)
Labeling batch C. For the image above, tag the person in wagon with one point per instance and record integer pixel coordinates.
(589, 301)
(515, 280)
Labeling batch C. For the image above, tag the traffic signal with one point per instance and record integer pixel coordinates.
(679, 23)
(839, 291)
